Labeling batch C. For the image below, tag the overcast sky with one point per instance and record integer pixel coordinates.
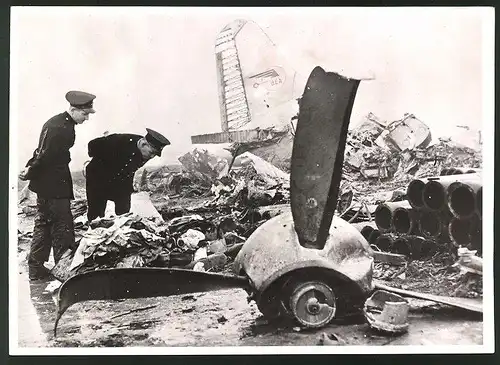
(153, 67)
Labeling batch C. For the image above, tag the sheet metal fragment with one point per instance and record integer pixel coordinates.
(470, 304)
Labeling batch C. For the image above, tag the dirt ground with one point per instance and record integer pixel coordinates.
(222, 318)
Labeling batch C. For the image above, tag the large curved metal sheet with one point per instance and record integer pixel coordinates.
(128, 283)
(318, 153)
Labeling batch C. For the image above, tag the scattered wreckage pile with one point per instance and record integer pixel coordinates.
(398, 152)
(131, 240)
(374, 147)
(237, 204)
(246, 179)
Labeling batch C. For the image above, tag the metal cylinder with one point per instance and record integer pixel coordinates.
(372, 238)
(385, 242)
(434, 194)
(450, 171)
(434, 224)
(405, 221)
(365, 228)
(430, 224)
(414, 192)
(417, 246)
(366, 231)
(429, 247)
(422, 247)
(402, 246)
(459, 231)
(384, 212)
(461, 197)
(253, 216)
(444, 172)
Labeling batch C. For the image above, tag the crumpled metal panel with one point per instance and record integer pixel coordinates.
(409, 133)
(318, 153)
(274, 250)
(128, 283)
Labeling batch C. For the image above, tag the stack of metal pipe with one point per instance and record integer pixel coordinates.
(449, 208)
(438, 211)
(465, 202)
(399, 230)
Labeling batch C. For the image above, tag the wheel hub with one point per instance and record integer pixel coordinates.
(313, 304)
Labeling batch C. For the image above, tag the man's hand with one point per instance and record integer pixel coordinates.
(24, 174)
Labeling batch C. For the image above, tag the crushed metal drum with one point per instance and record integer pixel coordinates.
(387, 312)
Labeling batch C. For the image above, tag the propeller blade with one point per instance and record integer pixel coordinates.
(143, 282)
(318, 153)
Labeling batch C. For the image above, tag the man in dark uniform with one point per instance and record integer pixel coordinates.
(50, 178)
(110, 173)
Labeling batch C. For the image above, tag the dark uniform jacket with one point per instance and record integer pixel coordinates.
(115, 159)
(49, 174)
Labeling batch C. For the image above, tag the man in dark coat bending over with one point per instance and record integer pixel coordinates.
(110, 173)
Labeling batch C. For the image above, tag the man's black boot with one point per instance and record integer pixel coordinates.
(39, 273)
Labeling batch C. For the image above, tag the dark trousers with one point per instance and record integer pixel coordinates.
(53, 229)
(97, 201)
